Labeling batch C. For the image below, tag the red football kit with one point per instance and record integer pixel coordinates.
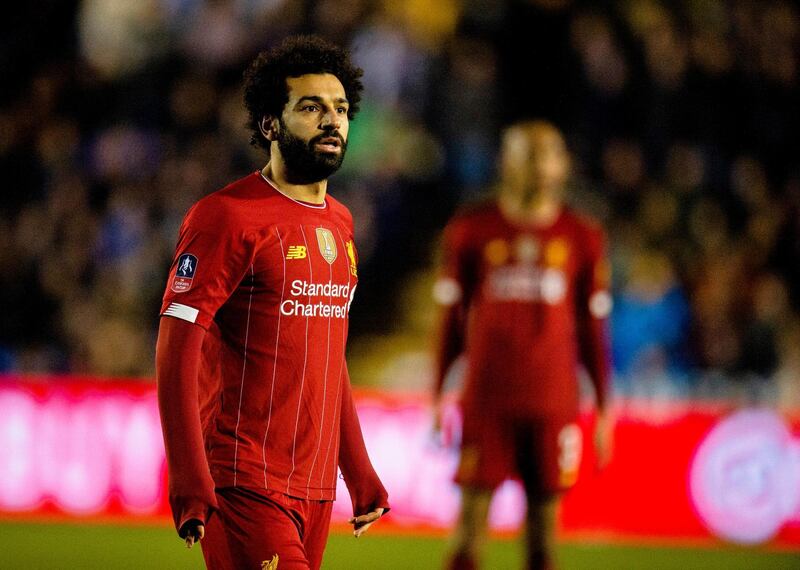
(526, 304)
(270, 279)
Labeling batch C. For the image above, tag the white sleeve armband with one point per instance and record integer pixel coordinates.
(600, 304)
(184, 312)
(446, 291)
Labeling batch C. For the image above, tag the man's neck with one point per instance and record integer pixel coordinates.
(540, 211)
(313, 193)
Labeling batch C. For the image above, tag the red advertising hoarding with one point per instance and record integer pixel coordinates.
(690, 471)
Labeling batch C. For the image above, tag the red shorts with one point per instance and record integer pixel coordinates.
(545, 453)
(254, 529)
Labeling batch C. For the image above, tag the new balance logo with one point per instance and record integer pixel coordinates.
(296, 252)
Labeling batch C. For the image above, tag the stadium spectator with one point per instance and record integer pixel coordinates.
(650, 319)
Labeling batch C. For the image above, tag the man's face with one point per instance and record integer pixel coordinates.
(312, 131)
(535, 159)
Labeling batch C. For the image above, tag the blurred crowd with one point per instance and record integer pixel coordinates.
(682, 116)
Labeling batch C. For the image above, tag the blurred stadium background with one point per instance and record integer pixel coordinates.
(683, 119)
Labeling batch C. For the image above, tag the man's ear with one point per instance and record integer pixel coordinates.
(269, 127)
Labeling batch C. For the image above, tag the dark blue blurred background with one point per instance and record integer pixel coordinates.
(683, 118)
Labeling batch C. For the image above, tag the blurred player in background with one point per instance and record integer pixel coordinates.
(525, 290)
(253, 387)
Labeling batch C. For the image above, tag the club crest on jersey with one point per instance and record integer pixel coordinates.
(184, 273)
(327, 245)
(556, 253)
(351, 255)
(270, 564)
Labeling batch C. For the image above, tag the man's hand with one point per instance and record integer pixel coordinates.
(192, 531)
(437, 436)
(436, 424)
(362, 522)
(604, 438)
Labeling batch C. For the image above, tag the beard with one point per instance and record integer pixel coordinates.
(304, 164)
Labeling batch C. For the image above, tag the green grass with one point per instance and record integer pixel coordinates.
(46, 546)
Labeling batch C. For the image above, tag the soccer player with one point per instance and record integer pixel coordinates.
(253, 389)
(524, 287)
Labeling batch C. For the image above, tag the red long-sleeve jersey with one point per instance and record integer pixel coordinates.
(271, 280)
(527, 305)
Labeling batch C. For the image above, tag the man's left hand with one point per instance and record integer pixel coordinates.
(362, 522)
(604, 438)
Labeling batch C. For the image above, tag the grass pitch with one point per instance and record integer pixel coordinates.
(84, 546)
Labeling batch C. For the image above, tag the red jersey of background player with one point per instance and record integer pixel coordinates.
(271, 279)
(531, 301)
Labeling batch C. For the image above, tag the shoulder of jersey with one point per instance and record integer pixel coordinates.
(229, 199)
(250, 187)
(583, 222)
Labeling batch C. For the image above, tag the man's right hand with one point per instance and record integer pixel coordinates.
(192, 531)
(436, 421)
(604, 438)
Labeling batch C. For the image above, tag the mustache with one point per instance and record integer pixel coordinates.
(326, 135)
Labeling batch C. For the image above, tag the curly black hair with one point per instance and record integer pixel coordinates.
(265, 89)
